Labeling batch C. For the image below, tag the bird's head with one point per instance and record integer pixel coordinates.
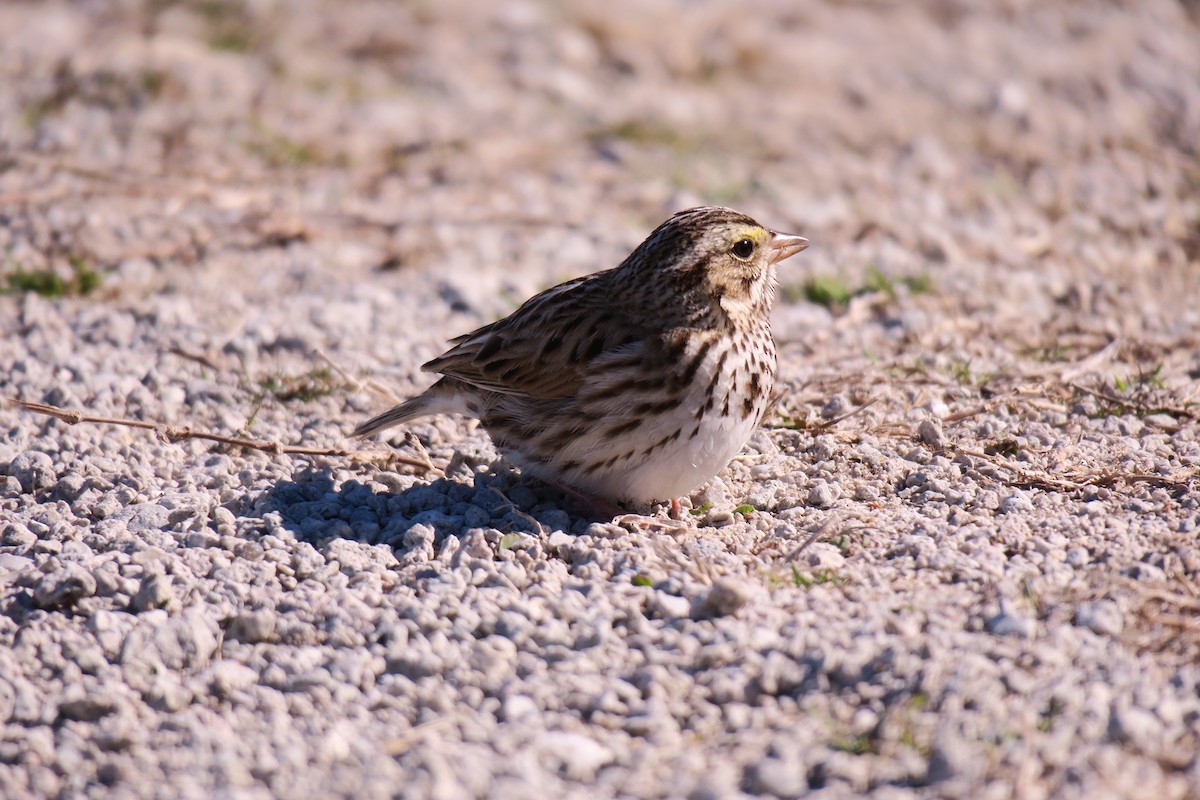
(717, 256)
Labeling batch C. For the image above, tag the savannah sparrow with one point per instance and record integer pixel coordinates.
(637, 383)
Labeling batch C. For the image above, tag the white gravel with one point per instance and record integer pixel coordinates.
(992, 445)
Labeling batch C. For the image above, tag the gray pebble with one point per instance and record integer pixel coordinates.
(578, 756)
(1141, 571)
(1078, 557)
(89, 706)
(821, 494)
(143, 517)
(154, 592)
(1009, 623)
(64, 587)
(70, 486)
(518, 707)
(10, 564)
(225, 676)
(33, 470)
(1100, 616)
(930, 432)
(253, 626)
(669, 606)
(727, 596)
(1137, 726)
(184, 642)
(778, 777)
(1015, 503)
(953, 757)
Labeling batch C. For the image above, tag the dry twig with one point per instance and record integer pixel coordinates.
(176, 433)
(1132, 402)
(1032, 480)
(824, 426)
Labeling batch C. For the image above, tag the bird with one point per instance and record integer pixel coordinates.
(632, 385)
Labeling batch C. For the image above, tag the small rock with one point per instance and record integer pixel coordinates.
(71, 486)
(825, 556)
(821, 494)
(560, 542)
(670, 606)
(553, 520)
(952, 757)
(1164, 422)
(777, 777)
(715, 493)
(1141, 571)
(930, 432)
(9, 486)
(835, 406)
(155, 592)
(88, 708)
(184, 642)
(10, 563)
(763, 496)
(227, 676)
(578, 756)
(726, 597)
(1015, 503)
(1010, 623)
(8, 700)
(166, 693)
(411, 663)
(866, 493)
(141, 517)
(419, 537)
(17, 535)
(519, 706)
(223, 520)
(937, 407)
(1135, 725)
(202, 538)
(34, 470)
(1100, 616)
(63, 587)
(1077, 557)
(253, 627)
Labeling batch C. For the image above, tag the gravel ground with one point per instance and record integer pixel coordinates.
(259, 219)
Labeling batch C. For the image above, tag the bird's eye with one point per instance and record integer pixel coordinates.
(743, 248)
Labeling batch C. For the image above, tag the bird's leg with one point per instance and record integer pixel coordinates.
(676, 511)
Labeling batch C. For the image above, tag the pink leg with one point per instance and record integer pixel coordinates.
(676, 510)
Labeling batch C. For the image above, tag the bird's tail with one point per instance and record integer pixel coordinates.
(441, 398)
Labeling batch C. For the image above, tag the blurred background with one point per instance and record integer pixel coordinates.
(1026, 169)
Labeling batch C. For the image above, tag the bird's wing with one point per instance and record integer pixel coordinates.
(542, 350)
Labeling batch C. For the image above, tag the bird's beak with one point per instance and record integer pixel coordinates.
(785, 245)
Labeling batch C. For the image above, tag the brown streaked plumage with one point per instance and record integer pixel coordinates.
(637, 383)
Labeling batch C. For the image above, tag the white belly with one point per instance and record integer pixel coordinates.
(682, 466)
(704, 446)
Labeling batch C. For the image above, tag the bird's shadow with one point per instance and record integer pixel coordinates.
(315, 509)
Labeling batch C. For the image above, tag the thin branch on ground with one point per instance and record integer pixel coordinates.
(824, 426)
(176, 433)
(516, 512)
(1163, 595)
(809, 540)
(1024, 478)
(202, 359)
(1133, 402)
